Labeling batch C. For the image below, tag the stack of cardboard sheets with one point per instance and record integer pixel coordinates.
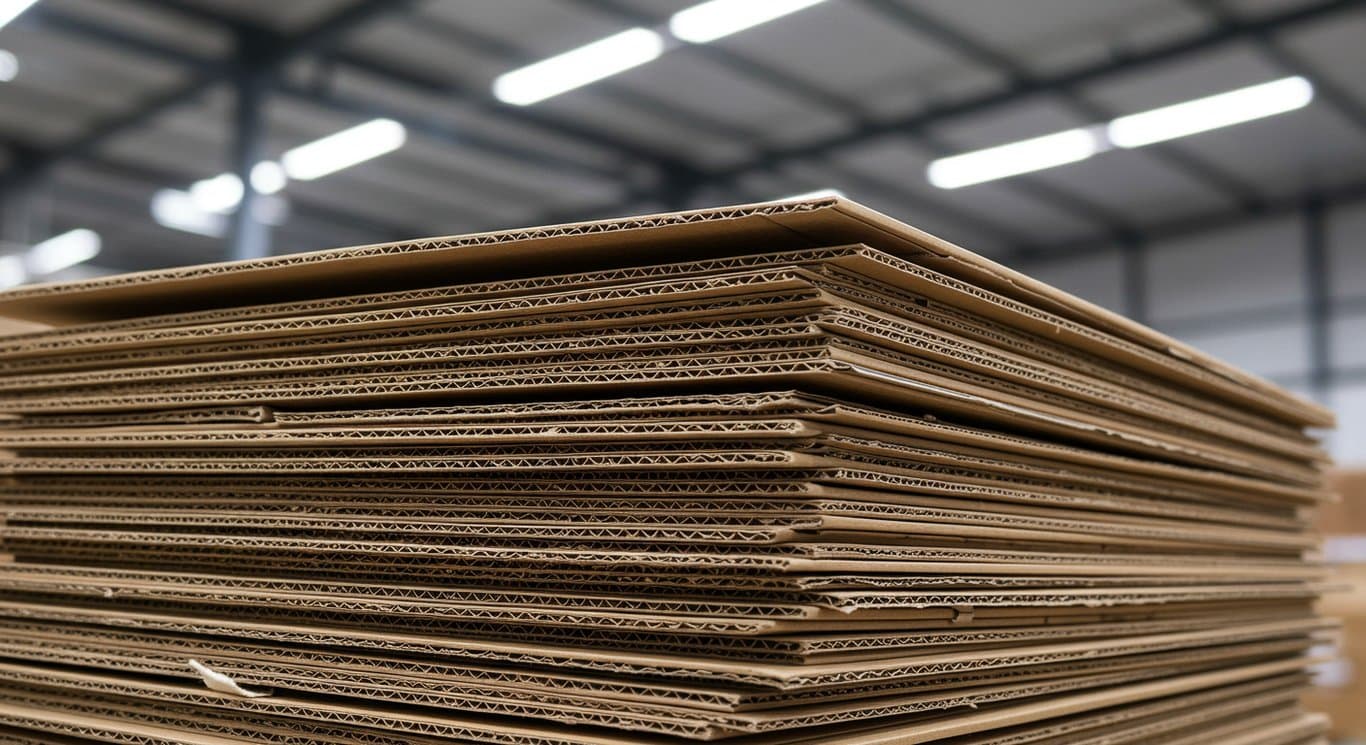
(782, 473)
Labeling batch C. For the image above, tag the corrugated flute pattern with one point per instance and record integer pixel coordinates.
(780, 473)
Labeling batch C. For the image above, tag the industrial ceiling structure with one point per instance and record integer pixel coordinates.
(119, 112)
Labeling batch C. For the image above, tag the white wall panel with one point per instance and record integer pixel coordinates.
(1348, 340)
(1098, 277)
(1347, 250)
(1348, 443)
(1257, 265)
(1269, 350)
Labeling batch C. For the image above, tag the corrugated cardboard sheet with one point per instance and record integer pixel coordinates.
(771, 474)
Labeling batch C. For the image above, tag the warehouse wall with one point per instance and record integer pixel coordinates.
(1243, 294)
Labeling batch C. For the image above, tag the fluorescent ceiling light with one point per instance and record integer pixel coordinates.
(1211, 112)
(268, 177)
(218, 194)
(9, 66)
(344, 149)
(577, 67)
(178, 210)
(1014, 158)
(61, 251)
(719, 18)
(222, 193)
(10, 9)
(12, 272)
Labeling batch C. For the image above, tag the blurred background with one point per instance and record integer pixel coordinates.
(1199, 165)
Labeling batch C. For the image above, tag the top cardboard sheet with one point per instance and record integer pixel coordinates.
(769, 226)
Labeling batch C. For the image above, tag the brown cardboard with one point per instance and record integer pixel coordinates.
(777, 474)
(864, 322)
(827, 221)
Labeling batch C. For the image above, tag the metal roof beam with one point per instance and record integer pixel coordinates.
(156, 176)
(514, 56)
(431, 127)
(1076, 204)
(214, 73)
(480, 100)
(1121, 63)
(1334, 95)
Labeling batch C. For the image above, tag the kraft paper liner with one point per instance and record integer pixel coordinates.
(936, 500)
(959, 321)
(181, 418)
(259, 661)
(1285, 727)
(689, 493)
(1174, 496)
(764, 527)
(504, 730)
(28, 525)
(720, 583)
(722, 405)
(903, 514)
(922, 337)
(910, 337)
(1154, 718)
(786, 649)
(1138, 721)
(745, 518)
(823, 221)
(1004, 716)
(503, 335)
(756, 484)
(467, 291)
(129, 582)
(324, 541)
(888, 524)
(660, 294)
(1090, 389)
(851, 257)
(775, 403)
(474, 608)
(758, 583)
(926, 557)
(625, 658)
(654, 634)
(907, 432)
(915, 464)
(674, 719)
(826, 364)
(835, 501)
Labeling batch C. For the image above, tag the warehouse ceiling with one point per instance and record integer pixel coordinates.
(116, 100)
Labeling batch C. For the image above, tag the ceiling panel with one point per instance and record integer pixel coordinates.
(1333, 49)
(471, 163)
(173, 28)
(693, 81)
(281, 16)
(1048, 35)
(1313, 147)
(540, 28)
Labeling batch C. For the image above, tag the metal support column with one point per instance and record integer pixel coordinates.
(1318, 299)
(17, 196)
(248, 236)
(1133, 258)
